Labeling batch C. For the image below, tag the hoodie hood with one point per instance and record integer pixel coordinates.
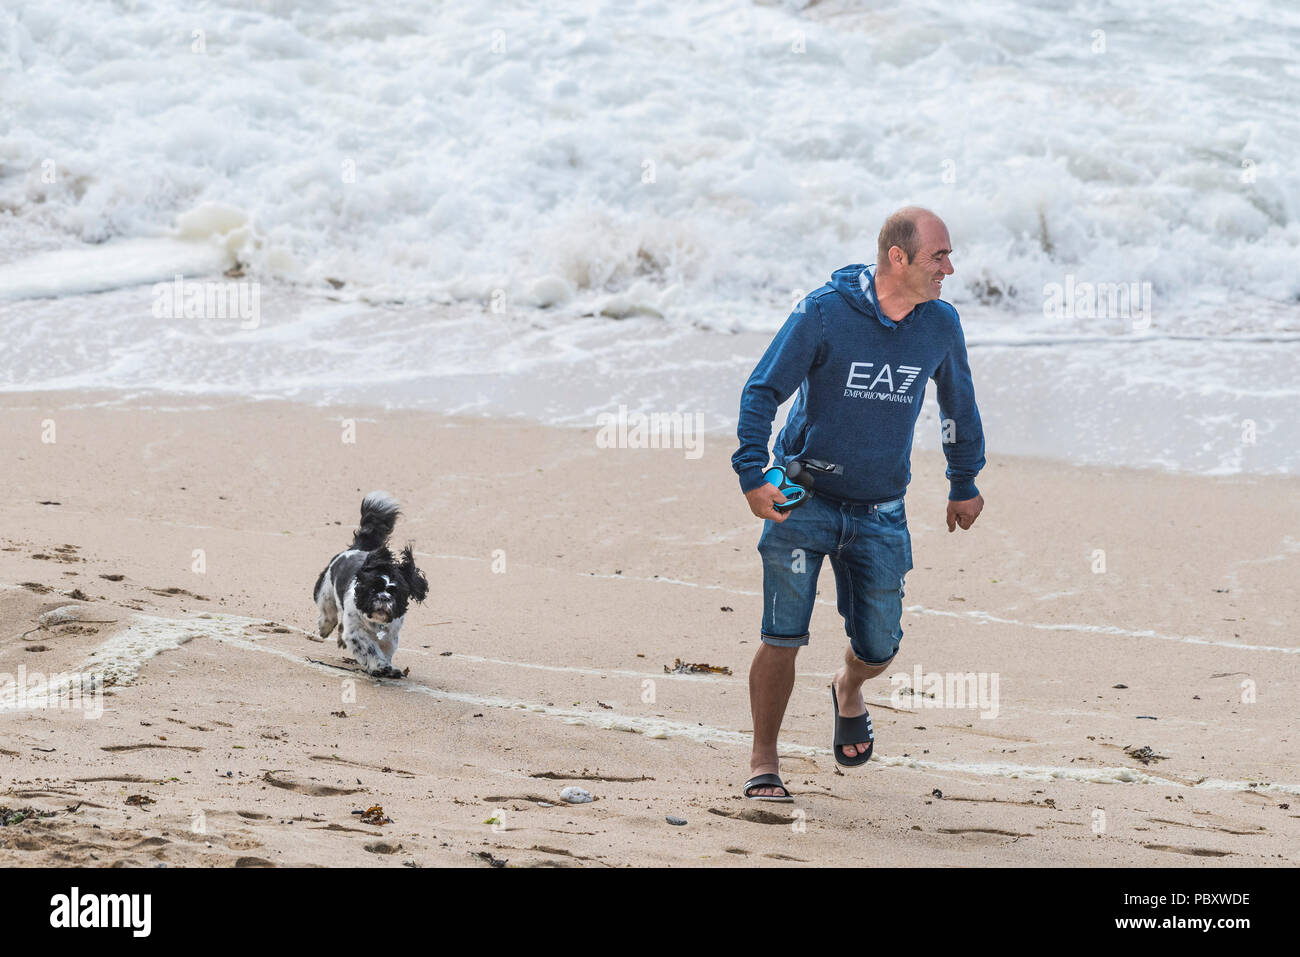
(847, 281)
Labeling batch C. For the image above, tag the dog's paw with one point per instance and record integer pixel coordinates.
(388, 671)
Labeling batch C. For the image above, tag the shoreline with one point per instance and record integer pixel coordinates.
(1161, 399)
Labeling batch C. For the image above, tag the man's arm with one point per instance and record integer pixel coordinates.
(785, 364)
(963, 433)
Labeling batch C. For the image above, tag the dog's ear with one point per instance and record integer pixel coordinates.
(415, 579)
(378, 559)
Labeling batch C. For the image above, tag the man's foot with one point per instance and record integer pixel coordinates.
(852, 705)
(757, 769)
(756, 789)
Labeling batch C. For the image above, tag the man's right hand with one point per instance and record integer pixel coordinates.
(763, 498)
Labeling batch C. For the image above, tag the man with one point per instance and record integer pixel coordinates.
(859, 350)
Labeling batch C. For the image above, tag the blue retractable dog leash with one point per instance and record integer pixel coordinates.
(794, 483)
(795, 480)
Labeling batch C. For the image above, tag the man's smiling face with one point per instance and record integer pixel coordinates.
(923, 276)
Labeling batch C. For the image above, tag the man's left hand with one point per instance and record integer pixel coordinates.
(964, 513)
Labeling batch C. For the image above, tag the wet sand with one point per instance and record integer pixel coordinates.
(565, 577)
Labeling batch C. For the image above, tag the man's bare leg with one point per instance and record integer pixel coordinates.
(848, 689)
(771, 680)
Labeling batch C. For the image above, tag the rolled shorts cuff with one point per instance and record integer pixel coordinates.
(873, 664)
(784, 641)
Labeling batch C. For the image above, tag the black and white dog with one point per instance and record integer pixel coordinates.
(369, 591)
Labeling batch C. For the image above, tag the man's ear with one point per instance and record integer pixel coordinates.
(415, 579)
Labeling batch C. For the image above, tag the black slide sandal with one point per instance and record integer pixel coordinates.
(767, 781)
(851, 731)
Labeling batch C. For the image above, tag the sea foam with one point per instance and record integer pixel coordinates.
(706, 162)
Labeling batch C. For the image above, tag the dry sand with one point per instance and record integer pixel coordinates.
(549, 671)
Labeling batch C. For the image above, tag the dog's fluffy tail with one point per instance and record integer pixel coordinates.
(379, 512)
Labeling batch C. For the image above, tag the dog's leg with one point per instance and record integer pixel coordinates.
(386, 640)
(367, 647)
(328, 611)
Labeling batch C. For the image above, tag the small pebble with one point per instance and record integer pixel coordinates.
(576, 795)
(675, 821)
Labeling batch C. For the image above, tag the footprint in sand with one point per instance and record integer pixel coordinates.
(148, 842)
(384, 769)
(290, 782)
(340, 827)
(754, 815)
(530, 798)
(1193, 851)
(587, 776)
(173, 590)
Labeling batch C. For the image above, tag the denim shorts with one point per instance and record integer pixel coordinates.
(871, 553)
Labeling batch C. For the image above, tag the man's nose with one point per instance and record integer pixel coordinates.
(948, 269)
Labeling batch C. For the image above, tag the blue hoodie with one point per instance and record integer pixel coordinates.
(861, 379)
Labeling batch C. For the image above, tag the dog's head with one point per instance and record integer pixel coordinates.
(385, 586)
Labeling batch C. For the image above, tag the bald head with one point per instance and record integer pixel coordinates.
(911, 259)
(902, 229)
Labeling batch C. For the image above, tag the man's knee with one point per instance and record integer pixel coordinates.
(872, 670)
(784, 643)
(868, 667)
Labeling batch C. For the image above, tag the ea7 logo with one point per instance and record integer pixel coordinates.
(860, 377)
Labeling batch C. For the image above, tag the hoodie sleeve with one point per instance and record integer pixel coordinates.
(794, 351)
(962, 432)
